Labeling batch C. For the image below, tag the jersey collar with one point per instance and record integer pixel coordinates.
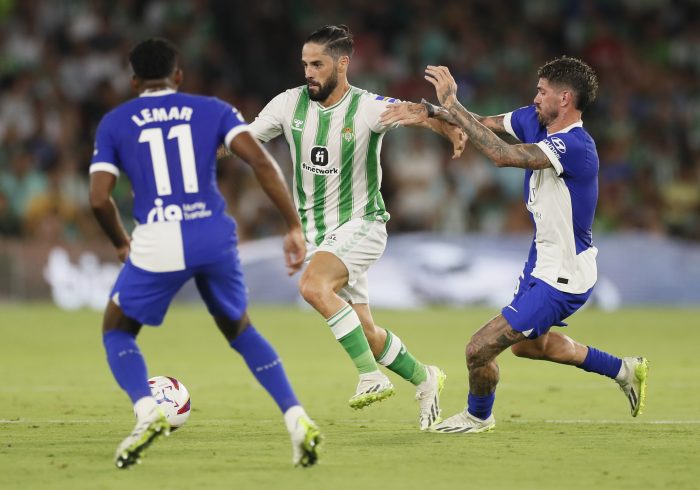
(342, 99)
(156, 93)
(577, 124)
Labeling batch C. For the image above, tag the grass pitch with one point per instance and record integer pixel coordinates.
(62, 415)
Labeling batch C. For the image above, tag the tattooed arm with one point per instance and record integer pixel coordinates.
(482, 137)
(413, 114)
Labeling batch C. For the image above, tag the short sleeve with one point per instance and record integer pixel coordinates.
(373, 109)
(232, 123)
(105, 157)
(268, 124)
(515, 122)
(564, 152)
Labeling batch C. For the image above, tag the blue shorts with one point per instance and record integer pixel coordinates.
(145, 296)
(537, 307)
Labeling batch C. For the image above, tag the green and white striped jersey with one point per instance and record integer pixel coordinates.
(335, 150)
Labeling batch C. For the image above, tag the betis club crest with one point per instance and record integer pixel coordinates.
(347, 134)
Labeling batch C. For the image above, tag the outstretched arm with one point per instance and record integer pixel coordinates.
(484, 139)
(105, 210)
(268, 173)
(410, 114)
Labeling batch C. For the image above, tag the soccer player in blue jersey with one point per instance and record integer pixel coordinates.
(561, 191)
(166, 142)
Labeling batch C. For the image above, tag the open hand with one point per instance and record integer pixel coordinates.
(445, 85)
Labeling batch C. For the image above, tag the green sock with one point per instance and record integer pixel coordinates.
(396, 357)
(347, 329)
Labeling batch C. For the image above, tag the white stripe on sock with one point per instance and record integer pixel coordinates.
(392, 352)
(346, 324)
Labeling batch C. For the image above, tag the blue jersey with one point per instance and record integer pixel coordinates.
(166, 142)
(561, 200)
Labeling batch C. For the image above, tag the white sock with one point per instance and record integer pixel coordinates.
(624, 372)
(428, 378)
(292, 415)
(144, 406)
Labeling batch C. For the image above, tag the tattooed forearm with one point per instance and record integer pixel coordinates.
(486, 141)
(494, 123)
(444, 115)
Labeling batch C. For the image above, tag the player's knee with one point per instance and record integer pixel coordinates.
(115, 319)
(232, 328)
(312, 290)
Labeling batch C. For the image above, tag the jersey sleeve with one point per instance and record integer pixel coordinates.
(268, 124)
(105, 157)
(232, 123)
(373, 109)
(564, 152)
(515, 122)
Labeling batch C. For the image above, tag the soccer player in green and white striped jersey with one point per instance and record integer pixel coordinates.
(335, 136)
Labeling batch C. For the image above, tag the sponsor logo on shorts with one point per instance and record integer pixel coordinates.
(330, 239)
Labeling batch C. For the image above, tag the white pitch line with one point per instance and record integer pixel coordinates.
(605, 422)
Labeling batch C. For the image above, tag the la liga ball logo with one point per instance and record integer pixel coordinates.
(173, 399)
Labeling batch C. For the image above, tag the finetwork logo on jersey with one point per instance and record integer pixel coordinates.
(174, 212)
(319, 158)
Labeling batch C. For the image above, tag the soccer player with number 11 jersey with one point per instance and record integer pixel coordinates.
(166, 142)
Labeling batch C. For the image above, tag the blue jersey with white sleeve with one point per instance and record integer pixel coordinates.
(561, 200)
(166, 142)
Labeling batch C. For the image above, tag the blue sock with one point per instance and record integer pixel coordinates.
(480, 406)
(127, 363)
(600, 362)
(266, 366)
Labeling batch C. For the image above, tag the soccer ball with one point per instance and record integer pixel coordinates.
(173, 399)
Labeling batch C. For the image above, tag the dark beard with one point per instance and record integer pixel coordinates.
(545, 119)
(324, 91)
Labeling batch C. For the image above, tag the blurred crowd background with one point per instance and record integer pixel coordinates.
(64, 64)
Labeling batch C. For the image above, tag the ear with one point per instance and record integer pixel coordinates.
(343, 63)
(567, 98)
(134, 84)
(178, 76)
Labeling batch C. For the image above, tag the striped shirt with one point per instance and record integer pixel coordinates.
(335, 150)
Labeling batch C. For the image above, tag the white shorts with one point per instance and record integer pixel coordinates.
(358, 244)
